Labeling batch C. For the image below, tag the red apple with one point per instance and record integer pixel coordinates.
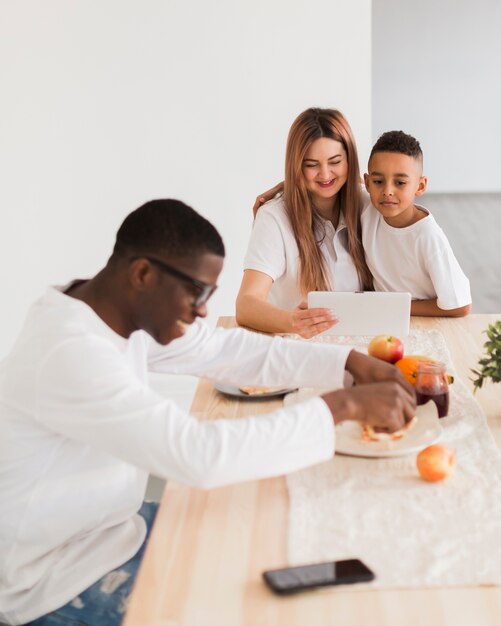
(387, 348)
(435, 462)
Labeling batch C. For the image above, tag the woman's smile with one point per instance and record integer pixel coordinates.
(325, 184)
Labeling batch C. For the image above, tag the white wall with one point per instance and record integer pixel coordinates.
(106, 104)
(436, 75)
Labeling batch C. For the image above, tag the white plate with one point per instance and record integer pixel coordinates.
(230, 390)
(426, 431)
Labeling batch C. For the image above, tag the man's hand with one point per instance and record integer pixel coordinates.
(385, 406)
(367, 369)
(267, 195)
(310, 322)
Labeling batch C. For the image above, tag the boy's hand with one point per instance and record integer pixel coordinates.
(267, 195)
(384, 406)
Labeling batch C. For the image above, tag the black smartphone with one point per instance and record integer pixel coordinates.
(303, 577)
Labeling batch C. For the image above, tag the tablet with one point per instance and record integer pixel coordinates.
(365, 312)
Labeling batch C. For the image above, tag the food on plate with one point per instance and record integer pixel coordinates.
(259, 391)
(408, 366)
(387, 348)
(369, 434)
(435, 462)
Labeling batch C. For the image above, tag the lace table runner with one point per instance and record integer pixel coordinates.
(409, 532)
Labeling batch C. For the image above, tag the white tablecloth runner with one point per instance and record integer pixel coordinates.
(410, 532)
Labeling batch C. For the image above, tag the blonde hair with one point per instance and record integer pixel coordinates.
(310, 125)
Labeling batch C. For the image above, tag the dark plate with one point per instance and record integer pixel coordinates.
(230, 390)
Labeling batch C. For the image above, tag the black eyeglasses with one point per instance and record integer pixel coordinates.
(205, 290)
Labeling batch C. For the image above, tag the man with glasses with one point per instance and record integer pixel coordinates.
(203, 291)
(80, 429)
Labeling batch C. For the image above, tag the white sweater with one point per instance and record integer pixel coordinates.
(80, 430)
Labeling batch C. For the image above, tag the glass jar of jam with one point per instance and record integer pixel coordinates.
(431, 384)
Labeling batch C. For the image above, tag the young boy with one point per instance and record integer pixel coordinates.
(406, 250)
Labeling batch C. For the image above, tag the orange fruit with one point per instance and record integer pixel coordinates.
(408, 365)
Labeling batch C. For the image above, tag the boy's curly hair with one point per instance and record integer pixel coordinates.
(398, 141)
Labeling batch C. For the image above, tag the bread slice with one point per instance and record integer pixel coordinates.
(259, 391)
(369, 434)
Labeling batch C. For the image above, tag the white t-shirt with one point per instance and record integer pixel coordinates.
(80, 430)
(273, 250)
(417, 259)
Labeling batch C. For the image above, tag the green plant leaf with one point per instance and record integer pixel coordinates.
(490, 363)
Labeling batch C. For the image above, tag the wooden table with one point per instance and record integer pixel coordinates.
(208, 549)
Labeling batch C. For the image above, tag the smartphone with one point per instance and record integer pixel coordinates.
(303, 577)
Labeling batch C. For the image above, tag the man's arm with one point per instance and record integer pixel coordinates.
(88, 392)
(241, 357)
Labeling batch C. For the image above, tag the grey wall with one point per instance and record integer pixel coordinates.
(472, 223)
(436, 74)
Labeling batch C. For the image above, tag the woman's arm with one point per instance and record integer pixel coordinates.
(429, 308)
(254, 312)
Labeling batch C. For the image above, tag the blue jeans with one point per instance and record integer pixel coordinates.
(105, 602)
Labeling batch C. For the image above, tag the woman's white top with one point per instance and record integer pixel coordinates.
(273, 250)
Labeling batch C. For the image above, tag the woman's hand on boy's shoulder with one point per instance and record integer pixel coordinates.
(266, 196)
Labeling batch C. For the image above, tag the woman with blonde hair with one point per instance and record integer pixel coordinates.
(309, 238)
